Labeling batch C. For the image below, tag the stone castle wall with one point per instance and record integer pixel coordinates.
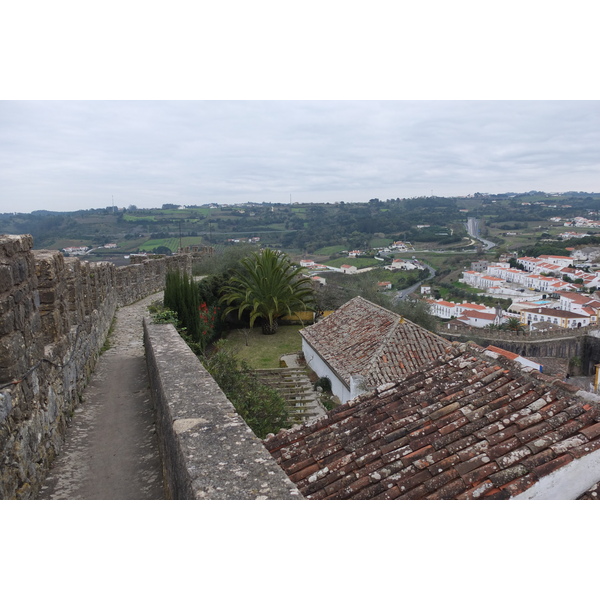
(55, 314)
(582, 343)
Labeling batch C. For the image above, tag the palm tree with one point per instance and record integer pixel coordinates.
(269, 286)
(513, 324)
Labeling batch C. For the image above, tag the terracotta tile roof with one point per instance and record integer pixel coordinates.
(362, 338)
(464, 427)
(592, 494)
(553, 312)
(579, 298)
(506, 353)
(474, 314)
(471, 306)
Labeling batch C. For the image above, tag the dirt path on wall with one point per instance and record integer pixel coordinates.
(111, 451)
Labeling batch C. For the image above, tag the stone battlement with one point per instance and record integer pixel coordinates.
(55, 314)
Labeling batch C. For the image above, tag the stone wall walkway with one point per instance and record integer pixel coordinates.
(111, 450)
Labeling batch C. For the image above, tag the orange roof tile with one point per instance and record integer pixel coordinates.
(362, 338)
(506, 353)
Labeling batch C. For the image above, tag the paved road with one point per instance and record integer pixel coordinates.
(111, 450)
(473, 230)
(409, 290)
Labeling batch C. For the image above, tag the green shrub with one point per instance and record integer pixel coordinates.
(165, 316)
(263, 409)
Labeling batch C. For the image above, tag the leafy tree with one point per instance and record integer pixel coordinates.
(418, 312)
(224, 260)
(341, 288)
(162, 250)
(267, 286)
(263, 409)
(515, 264)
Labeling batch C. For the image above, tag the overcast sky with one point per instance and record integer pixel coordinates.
(69, 155)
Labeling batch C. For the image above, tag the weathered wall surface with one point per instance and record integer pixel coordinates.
(591, 354)
(208, 451)
(572, 343)
(560, 346)
(55, 313)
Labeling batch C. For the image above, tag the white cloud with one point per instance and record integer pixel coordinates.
(68, 155)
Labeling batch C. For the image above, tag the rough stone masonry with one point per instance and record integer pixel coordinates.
(55, 313)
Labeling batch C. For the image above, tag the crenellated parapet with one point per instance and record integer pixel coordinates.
(55, 314)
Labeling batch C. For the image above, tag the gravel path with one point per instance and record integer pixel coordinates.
(111, 450)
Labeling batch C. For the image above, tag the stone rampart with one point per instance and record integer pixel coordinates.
(451, 330)
(582, 343)
(55, 314)
(207, 450)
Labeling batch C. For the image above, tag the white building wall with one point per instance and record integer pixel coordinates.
(567, 483)
(528, 363)
(322, 369)
(471, 278)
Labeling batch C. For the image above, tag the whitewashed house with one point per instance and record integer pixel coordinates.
(362, 345)
(561, 318)
(348, 269)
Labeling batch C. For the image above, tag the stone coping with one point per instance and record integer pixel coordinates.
(208, 451)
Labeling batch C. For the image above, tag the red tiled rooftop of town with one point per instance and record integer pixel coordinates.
(475, 314)
(554, 312)
(464, 427)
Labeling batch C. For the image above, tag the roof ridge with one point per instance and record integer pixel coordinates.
(400, 321)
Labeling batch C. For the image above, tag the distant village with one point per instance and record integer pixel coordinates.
(547, 292)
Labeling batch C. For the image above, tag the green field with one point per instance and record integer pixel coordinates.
(381, 242)
(359, 263)
(263, 351)
(171, 243)
(134, 218)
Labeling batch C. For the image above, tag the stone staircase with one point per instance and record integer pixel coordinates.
(297, 390)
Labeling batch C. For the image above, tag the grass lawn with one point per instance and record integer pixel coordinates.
(263, 351)
(329, 250)
(468, 288)
(381, 242)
